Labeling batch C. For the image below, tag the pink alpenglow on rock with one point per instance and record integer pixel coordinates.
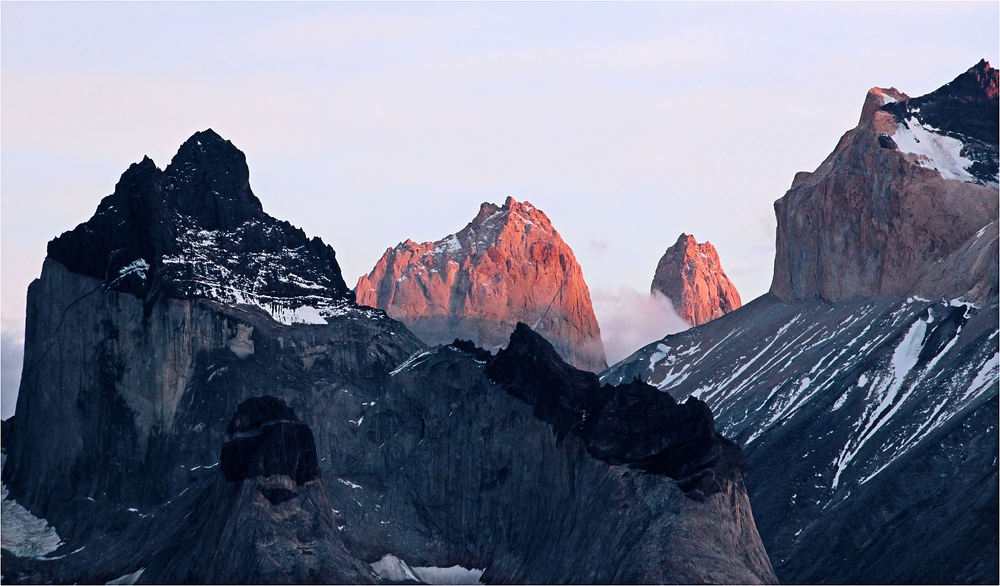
(508, 265)
(691, 276)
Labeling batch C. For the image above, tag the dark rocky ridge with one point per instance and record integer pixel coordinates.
(632, 424)
(195, 229)
(849, 458)
(965, 108)
(199, 440)
(546, 510)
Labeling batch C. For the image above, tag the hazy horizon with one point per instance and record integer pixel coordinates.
(368, 124)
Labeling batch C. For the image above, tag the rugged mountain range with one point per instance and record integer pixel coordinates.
(202, 401)
(508, 265)
(691, 276)
(864, 387)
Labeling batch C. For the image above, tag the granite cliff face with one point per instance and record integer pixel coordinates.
(691, 276)
(215, 423)
(508, 265)
(912, 184)
(864, 388)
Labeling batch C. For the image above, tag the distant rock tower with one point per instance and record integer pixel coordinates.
(508, 265)
(691, 276)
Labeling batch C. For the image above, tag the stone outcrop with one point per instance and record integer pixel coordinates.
(548, 460)
(691, 276)
(633, 423)
(508, 265)
(913, 183)
(267, 519)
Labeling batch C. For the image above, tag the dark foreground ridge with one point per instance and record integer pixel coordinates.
(630, 424)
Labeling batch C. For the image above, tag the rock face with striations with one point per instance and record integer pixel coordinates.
(508, 265)
(207, 404)
(691, 276)
(912, 184)
(864, 388)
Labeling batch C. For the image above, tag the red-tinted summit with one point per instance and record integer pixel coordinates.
(691, 276)
(508, 265)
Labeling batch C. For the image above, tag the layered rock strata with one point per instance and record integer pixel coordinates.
(508, 265)
(691, 276)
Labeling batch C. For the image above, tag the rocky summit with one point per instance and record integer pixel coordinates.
(864, 388)
(196, 230)
(905, 191)
(222, 412)
(691, 276)
(508, 265)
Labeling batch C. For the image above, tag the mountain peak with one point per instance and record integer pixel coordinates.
(878, 97)
(691, 276)
(208, 180)
(507, 265)
(914, 183)
(966, 109)
(195, 229)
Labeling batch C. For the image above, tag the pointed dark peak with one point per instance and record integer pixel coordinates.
(530, 353)
(631, 424)
(978, 83)
(122, 230)
(196, 229)
(965, 108)
(208, 180)
(531, 370)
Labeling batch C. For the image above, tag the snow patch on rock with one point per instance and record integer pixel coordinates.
(392, 569)
(128, 578)
(24, 534)
(933, 150)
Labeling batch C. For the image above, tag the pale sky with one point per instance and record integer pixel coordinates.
(367, 124)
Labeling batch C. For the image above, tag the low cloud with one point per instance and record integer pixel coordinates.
(630, 319)
(11, 358)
